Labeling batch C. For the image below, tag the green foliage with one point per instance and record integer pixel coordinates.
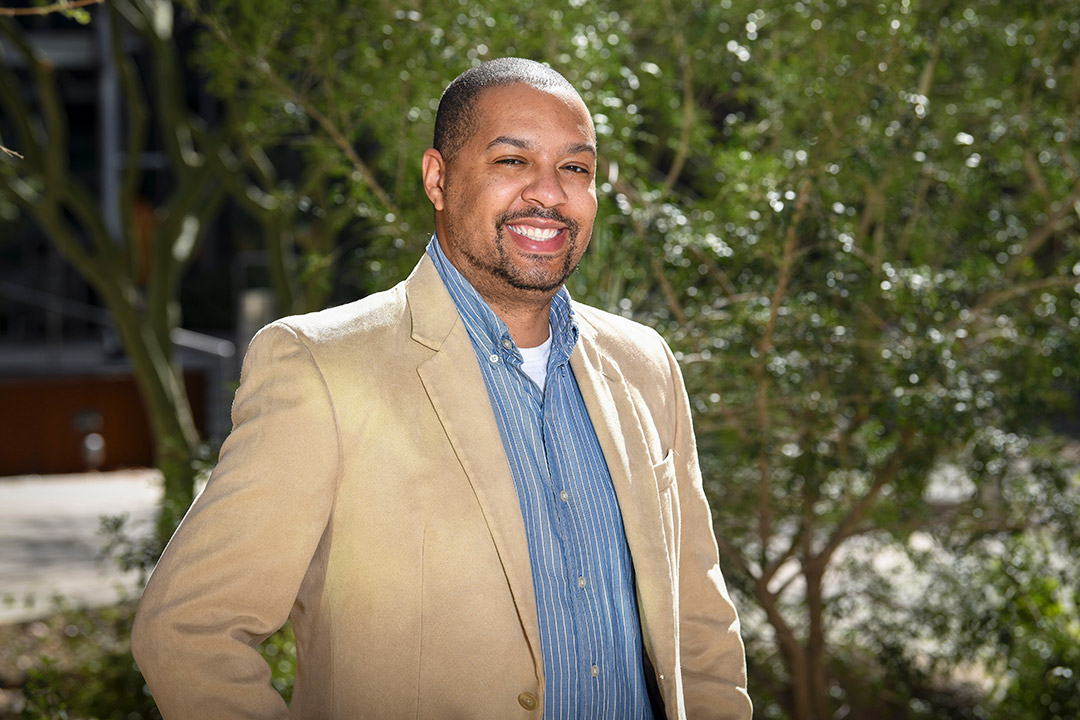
(898, 317)
(40, 689)
(279, 651)
(857, 225)
(84, 669)
(128, 548)
(1019, 619)
(136, 268)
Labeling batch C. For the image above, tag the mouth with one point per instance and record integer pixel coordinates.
(537, 237)
(535, 233)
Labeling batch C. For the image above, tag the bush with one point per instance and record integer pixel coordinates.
(77, 664)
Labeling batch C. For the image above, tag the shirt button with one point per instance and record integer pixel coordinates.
(595, 671)
(507, 343)
(527, 701)
(564, 495)
(581, 581)
(493, 358)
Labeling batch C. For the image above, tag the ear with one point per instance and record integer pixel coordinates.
(433, 167)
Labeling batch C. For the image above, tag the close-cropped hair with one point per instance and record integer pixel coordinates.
(455, 116)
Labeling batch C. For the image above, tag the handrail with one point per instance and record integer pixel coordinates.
(188, 339)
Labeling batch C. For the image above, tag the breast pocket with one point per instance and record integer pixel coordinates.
(664, 472)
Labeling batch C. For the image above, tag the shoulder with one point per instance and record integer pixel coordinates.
(347, 346)
(633, 346)
(374, 316)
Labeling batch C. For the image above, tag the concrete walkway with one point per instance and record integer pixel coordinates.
(50, 539)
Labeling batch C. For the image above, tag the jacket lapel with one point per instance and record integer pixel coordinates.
(455, 386)
(618, 427)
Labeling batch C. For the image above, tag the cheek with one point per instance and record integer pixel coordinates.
(498, 194)
(486, 196)
(585, 205)
(465, 204)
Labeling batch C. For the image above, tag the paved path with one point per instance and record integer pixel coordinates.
(50, 540)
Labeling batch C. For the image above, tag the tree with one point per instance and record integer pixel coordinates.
(877, 305)
(857, 225)
(137, 273)
(854, 223)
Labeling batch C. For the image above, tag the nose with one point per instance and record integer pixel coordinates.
(544, 189)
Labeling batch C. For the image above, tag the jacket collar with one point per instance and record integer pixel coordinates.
(610, 400)
(451, 377)
(431, 309)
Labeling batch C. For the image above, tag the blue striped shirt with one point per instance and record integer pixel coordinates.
(590, 635)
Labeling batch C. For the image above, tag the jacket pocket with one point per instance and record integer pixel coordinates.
(664, 472)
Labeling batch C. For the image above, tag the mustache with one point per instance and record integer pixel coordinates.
(539, 213)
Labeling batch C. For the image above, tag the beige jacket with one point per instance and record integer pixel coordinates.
(364, 493)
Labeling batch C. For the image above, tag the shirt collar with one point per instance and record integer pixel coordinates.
(487, 330)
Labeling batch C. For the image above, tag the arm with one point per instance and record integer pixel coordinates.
(711, 650)
(230, 574)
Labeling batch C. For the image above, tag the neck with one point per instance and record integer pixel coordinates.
(526, 313)
(528, 323)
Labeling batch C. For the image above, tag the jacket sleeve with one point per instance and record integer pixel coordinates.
(230, 575)
(712, 656)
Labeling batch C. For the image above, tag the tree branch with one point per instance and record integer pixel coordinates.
(1044, 233)
(848, 526)
(47, 9)
(715, 271)
(1014, 291)
(12, 97)
(1031, 168)
(1074, 117)
(669, 292)
(682, 150)
(771, 569)
(730, 552)
(287, 90)
(787, 264)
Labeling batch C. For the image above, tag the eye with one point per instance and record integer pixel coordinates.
(575, 168)
(510, 161)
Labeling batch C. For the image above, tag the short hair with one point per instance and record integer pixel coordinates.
(456, 114)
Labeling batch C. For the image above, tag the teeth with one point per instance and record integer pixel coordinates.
(534, 233)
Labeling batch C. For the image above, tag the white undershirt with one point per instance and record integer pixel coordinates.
(535, 360)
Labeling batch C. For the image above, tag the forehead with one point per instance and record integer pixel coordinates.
(520, 109)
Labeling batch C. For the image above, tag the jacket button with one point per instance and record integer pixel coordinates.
(527, 701)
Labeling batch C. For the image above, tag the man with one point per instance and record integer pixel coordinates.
(473, 497)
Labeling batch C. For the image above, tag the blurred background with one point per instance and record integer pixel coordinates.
(856, 223)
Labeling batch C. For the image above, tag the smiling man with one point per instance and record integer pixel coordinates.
(473, 497)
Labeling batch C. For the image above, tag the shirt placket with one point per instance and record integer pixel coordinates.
(566, 502)
(555, 493)
(579, 568)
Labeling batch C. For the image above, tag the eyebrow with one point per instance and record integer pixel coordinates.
(573, 149)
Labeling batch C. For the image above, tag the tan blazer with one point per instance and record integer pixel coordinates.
(364, 493)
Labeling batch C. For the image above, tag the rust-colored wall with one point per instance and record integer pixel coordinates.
(44, 420)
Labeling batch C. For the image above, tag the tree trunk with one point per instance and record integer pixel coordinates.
(793, 652)
(176, 440)
(801, 692)
(176, 462)
(143, 306)
(817, 682)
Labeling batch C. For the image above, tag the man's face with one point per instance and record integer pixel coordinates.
(515, 205)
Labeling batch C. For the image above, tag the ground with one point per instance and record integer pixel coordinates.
(59, 597)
